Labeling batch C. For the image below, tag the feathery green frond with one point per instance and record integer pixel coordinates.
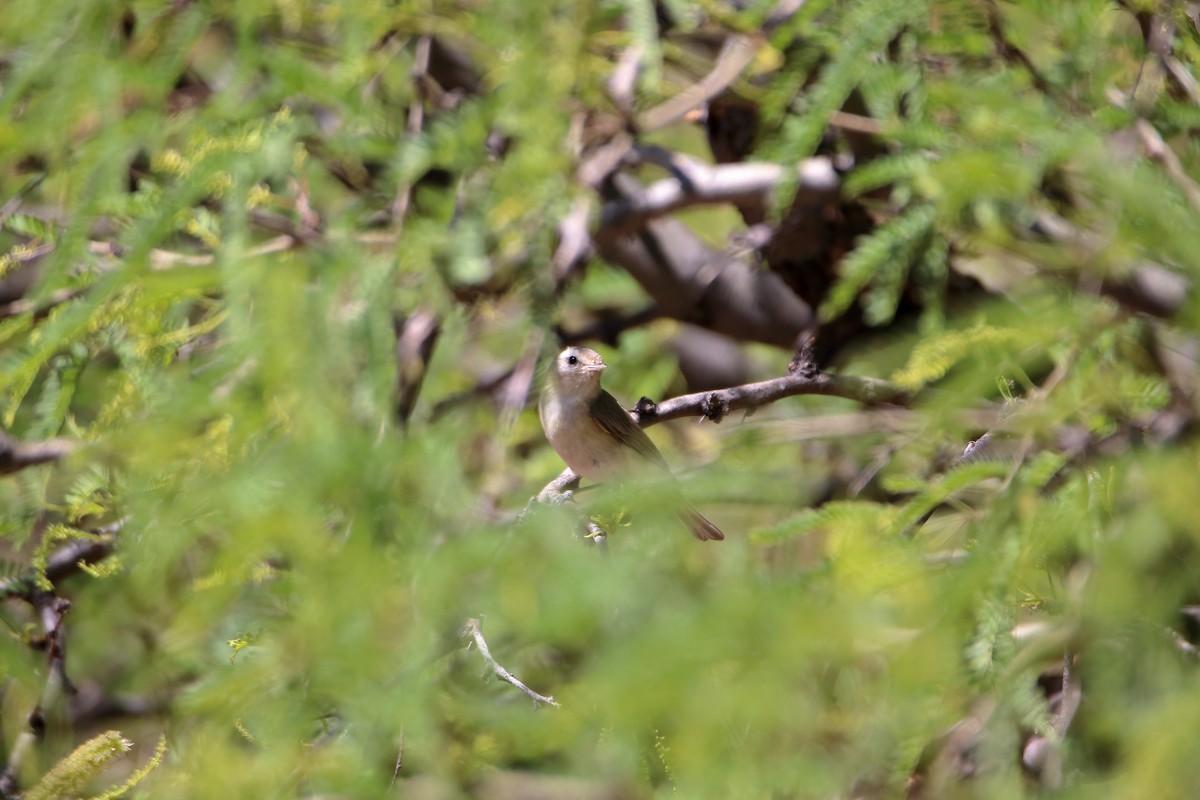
(881, 261)
(69, 777)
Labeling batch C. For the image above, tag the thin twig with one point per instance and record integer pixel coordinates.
(476, 633)
(736, 54)
(484, 387)
(14, 203)
(1158, 150)
(165, 259)
(38, 308)
(414, 123)
(1183, 77)
(1010, 52)
(608, 328)
(855, 123)
(415, 340)
(399, 761)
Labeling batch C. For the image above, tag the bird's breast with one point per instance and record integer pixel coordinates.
(586, 448)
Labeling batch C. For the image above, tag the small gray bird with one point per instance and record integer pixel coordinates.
(597, 438)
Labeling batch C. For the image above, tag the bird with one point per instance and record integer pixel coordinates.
(597, 438)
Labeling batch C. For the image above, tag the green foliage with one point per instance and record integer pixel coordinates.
(936, 355)
(864, 27)
(71, 775)
(215, 325)
(884, 259)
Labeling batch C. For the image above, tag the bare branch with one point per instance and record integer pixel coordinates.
(14, 203)
(66, 560)
(305, 229)
(715, 405)
(1043, 753)
(486, 385)
(1158, 150)
(695, 183)
(608, 328)
(476, 633)
(399, 761)
(784, 11)
(855, 123)
(1183, 77)
(690, 281)
(415, 340)
(736, 54)
(165, 259)
(51, 610)
(623, 81)
(1147, 287)
(1010, 52)
(16, 455)
(515, 391)
(574, 242)
(415, 122)
(39, 309)
(557, 488)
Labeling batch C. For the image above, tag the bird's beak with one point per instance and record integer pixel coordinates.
(597, 367)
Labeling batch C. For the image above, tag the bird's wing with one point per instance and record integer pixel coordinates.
(616, 422)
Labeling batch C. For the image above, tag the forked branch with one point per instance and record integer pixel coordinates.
(474, 631)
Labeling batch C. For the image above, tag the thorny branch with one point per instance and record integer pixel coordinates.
(716, 405)
(474, 631)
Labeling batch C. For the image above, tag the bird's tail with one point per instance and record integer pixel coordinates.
(700, 526)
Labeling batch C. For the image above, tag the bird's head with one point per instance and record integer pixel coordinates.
(577, 372)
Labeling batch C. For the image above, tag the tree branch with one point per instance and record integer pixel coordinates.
(1012, 53)
(803, 379)
(476, 633)
(16, 455)
(414, 123)
(39, 309)
(736, 54)
(50, 610)
(695, 183)
(1157, 150)
(715, 405)
(416, 336)
(609, 327)
(693, 282)
(65, 561)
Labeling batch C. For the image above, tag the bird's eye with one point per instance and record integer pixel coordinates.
(572, 360)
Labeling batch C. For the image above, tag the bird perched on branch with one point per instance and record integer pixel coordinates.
(597, 438)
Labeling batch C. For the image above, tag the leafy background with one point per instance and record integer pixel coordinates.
(276, 276)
